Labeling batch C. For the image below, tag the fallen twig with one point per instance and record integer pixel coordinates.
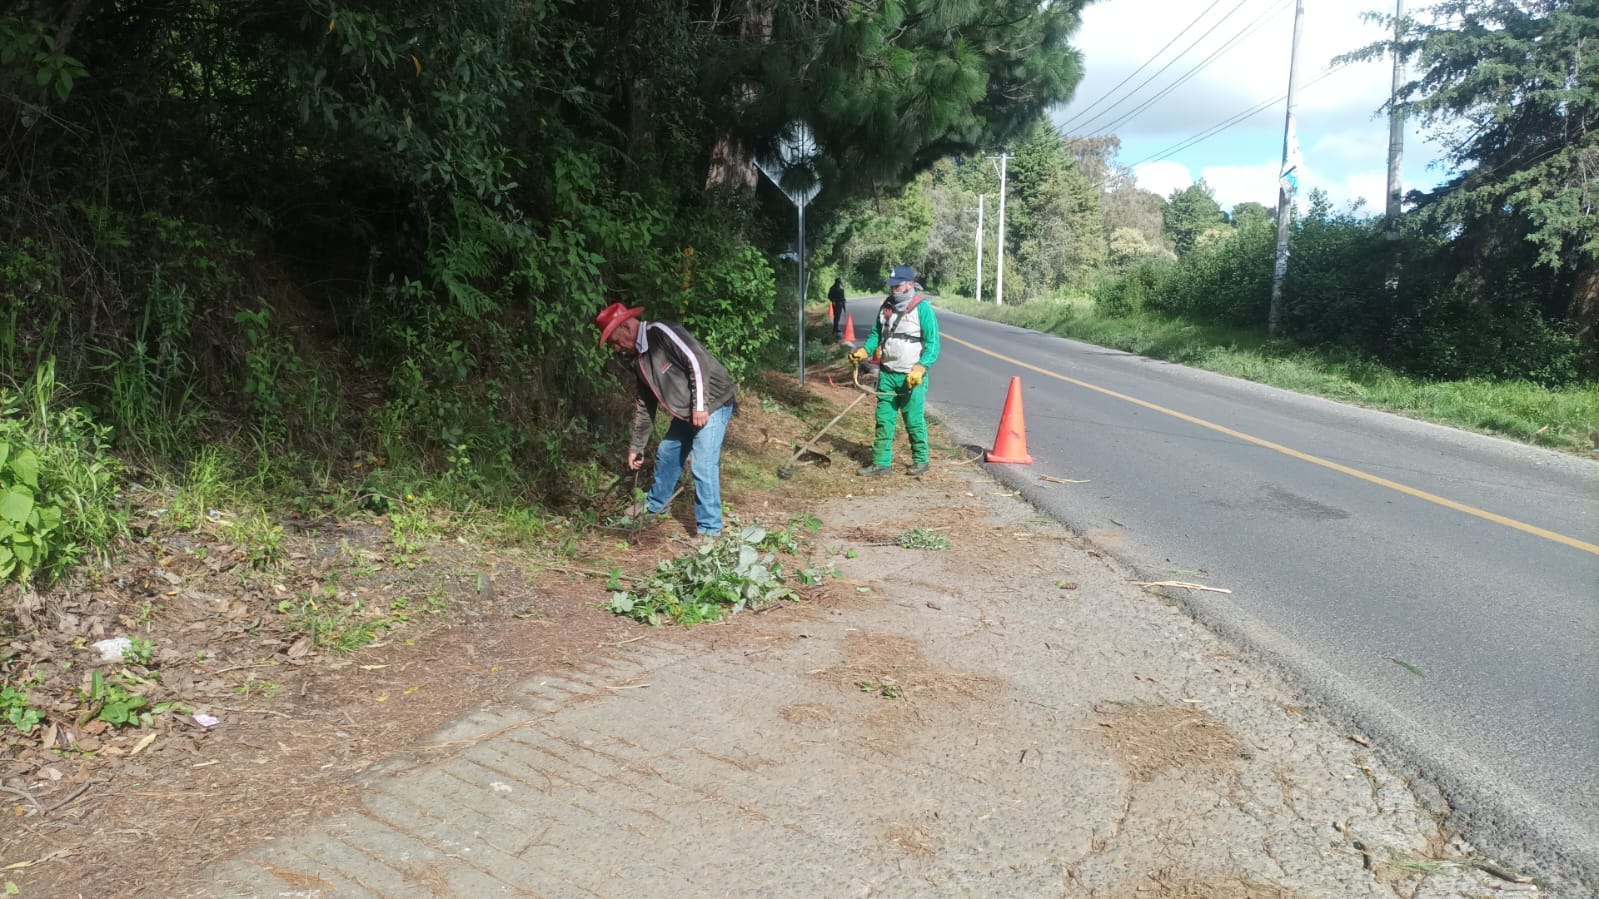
(1060, 480)
(74, 795)
(25, 795)
(1182, 585)
(239, 667)
(1501, 873)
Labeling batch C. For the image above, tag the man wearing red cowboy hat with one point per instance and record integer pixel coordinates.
(674, 371)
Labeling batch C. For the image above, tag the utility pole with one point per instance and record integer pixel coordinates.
(1396, 130)
(1286, 183)
(999, 254)
(980, 248)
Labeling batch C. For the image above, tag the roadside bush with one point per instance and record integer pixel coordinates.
(1129, 292)
(58, 486)
(1225, 280)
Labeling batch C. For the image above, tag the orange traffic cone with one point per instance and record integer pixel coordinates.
(849, 328)
(1010, 444)
(830, 310)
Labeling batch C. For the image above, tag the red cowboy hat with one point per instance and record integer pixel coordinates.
(612, 316)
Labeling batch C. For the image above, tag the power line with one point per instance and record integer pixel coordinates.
(1226, 124)
(1201, 66)
(1106, 95)
(1156, 74)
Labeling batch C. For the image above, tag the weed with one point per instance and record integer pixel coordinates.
(721, 578)
(119, 704)
(140, 651)
(202, 490)
(259, 538)
(922, 538)
(410, 531)
(883, 687)
(57, 482)
(332, 624)
(263, 688)
(14, 708)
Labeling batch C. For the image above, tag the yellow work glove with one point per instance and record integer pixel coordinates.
(858, 356)
(914, 379)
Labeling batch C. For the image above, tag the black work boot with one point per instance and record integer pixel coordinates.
(874, 471)
(917, 470)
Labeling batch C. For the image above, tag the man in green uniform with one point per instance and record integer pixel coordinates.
(907, 333)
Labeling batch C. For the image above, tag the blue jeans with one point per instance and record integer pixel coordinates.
(704, 445)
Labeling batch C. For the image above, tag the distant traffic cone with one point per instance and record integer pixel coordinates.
(830, 310)
(1010, 444)
(849, 328)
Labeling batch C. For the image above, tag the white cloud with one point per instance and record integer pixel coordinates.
(1162, 177)
(1345, 140)
(1117, 37)
(1234, 184)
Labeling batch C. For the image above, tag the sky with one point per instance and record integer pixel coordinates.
(1343, 139)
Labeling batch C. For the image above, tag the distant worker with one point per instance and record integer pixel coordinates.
(907, 333)
(835, 296)
(674, 370)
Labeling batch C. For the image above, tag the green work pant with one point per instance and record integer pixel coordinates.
(903, 401)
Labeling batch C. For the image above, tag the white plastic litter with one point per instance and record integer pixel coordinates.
(111, 649)
(207, 720)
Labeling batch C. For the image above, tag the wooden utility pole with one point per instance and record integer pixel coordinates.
(1396, 130)
(1286, 182)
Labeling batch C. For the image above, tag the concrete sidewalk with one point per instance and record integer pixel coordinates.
(1008, 717)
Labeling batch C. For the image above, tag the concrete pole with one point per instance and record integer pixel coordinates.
(1285, 202)
(999, 255)
(980, 248)
(1396, 131)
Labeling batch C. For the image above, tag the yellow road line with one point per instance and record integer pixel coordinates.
(1287, 451)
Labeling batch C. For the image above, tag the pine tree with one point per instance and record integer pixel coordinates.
(1512, 88)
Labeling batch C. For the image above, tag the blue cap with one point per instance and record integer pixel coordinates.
(901, 274)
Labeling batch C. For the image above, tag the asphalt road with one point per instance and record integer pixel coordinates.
(1437, 590)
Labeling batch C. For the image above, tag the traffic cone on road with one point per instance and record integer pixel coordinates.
(1010, 444)
(849, 328)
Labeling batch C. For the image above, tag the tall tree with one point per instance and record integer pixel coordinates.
(1055, 223)
(1190, 213)
(889, 88)
(1249, 215)
(1512, 88)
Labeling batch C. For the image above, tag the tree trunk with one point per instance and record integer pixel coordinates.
(731, 165)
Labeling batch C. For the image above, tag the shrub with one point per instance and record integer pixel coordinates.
(57, 483)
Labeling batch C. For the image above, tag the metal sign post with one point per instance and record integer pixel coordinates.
(791, 172)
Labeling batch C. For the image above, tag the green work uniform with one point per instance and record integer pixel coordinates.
(912, 341)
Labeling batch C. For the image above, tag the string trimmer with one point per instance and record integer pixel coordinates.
(787, 471)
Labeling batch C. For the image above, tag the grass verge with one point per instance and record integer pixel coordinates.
(1559, 418)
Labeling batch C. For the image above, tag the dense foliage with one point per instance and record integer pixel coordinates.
(364, 228)
(1495, 273)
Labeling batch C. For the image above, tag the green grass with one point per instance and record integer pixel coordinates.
(1564, 418)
